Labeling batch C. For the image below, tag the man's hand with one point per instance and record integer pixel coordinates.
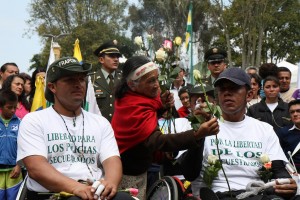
(208, 128)
(15, 172)
(83, 191)
(167, 99)
(199, 109)
(288, 189)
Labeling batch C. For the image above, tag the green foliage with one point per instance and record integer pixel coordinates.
(36, 62)
(167, 19)
(92, 22)
(265, 174)
(252, 31)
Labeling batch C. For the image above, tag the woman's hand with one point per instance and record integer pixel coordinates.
(167, 99)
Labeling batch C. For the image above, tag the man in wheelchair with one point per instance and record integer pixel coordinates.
(66, 149)
(241, 142)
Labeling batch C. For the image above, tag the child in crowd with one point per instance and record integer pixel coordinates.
(185, 110)
(10, 172)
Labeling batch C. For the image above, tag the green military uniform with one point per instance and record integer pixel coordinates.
(213, 55)
(104, 96)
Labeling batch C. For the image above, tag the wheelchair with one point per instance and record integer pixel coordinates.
(169, 188)
(22, 193)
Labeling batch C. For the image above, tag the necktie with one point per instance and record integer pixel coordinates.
(111, 82)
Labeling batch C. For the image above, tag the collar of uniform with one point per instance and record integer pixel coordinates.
(294, 127)
(105, 73)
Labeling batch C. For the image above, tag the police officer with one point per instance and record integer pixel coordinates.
(106, 77)
(215, 58)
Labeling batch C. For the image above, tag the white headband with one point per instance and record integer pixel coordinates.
(142, 70)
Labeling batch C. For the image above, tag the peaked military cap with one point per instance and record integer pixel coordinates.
(215, 54)
(109, 47)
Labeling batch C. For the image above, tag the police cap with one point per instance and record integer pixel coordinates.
(109, 47)
(215, 54)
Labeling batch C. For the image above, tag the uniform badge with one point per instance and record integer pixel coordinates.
(215, 50)
(97, 92)
(14, 127)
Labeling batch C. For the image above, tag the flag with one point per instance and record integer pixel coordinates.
(90, 99)
(51, 56)
(90, 104)
(188, 41)
(77, 52)
(39, 100)
(188, 34)
(50, 61)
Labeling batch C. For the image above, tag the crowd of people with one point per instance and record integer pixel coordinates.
(64, 148)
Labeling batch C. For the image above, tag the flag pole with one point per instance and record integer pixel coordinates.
(191, 43)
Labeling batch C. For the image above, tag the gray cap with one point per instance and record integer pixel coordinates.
(61, 68)
(236, 75)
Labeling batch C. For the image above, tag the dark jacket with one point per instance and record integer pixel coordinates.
(104, 96)
(279, 118)
(289, 139)
(143, 152)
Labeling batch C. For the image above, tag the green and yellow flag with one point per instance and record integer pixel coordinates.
(188, 34)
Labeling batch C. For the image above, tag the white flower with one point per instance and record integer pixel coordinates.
(160, 55)
(212, 159)
(197, 74)
(178, 41)
(150, 37)
(138, 40)
(264, 158)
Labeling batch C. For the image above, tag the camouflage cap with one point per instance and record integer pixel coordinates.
(61, 68)
(197, 89)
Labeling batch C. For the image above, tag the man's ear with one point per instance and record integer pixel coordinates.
(101, 59)
(249, 95)
(131, 85)
(51, 87)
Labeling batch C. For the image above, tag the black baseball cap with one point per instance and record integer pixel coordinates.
(63, 67)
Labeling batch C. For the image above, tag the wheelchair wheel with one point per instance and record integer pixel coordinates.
(163, 189)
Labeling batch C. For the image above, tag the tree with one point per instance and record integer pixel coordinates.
(167, 19)
(261, 30)
(93, 22)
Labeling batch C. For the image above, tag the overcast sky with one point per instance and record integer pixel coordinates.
(15, 47)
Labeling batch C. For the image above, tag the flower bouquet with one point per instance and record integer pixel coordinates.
(265, 171)
(167, 61)
(212, 170)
